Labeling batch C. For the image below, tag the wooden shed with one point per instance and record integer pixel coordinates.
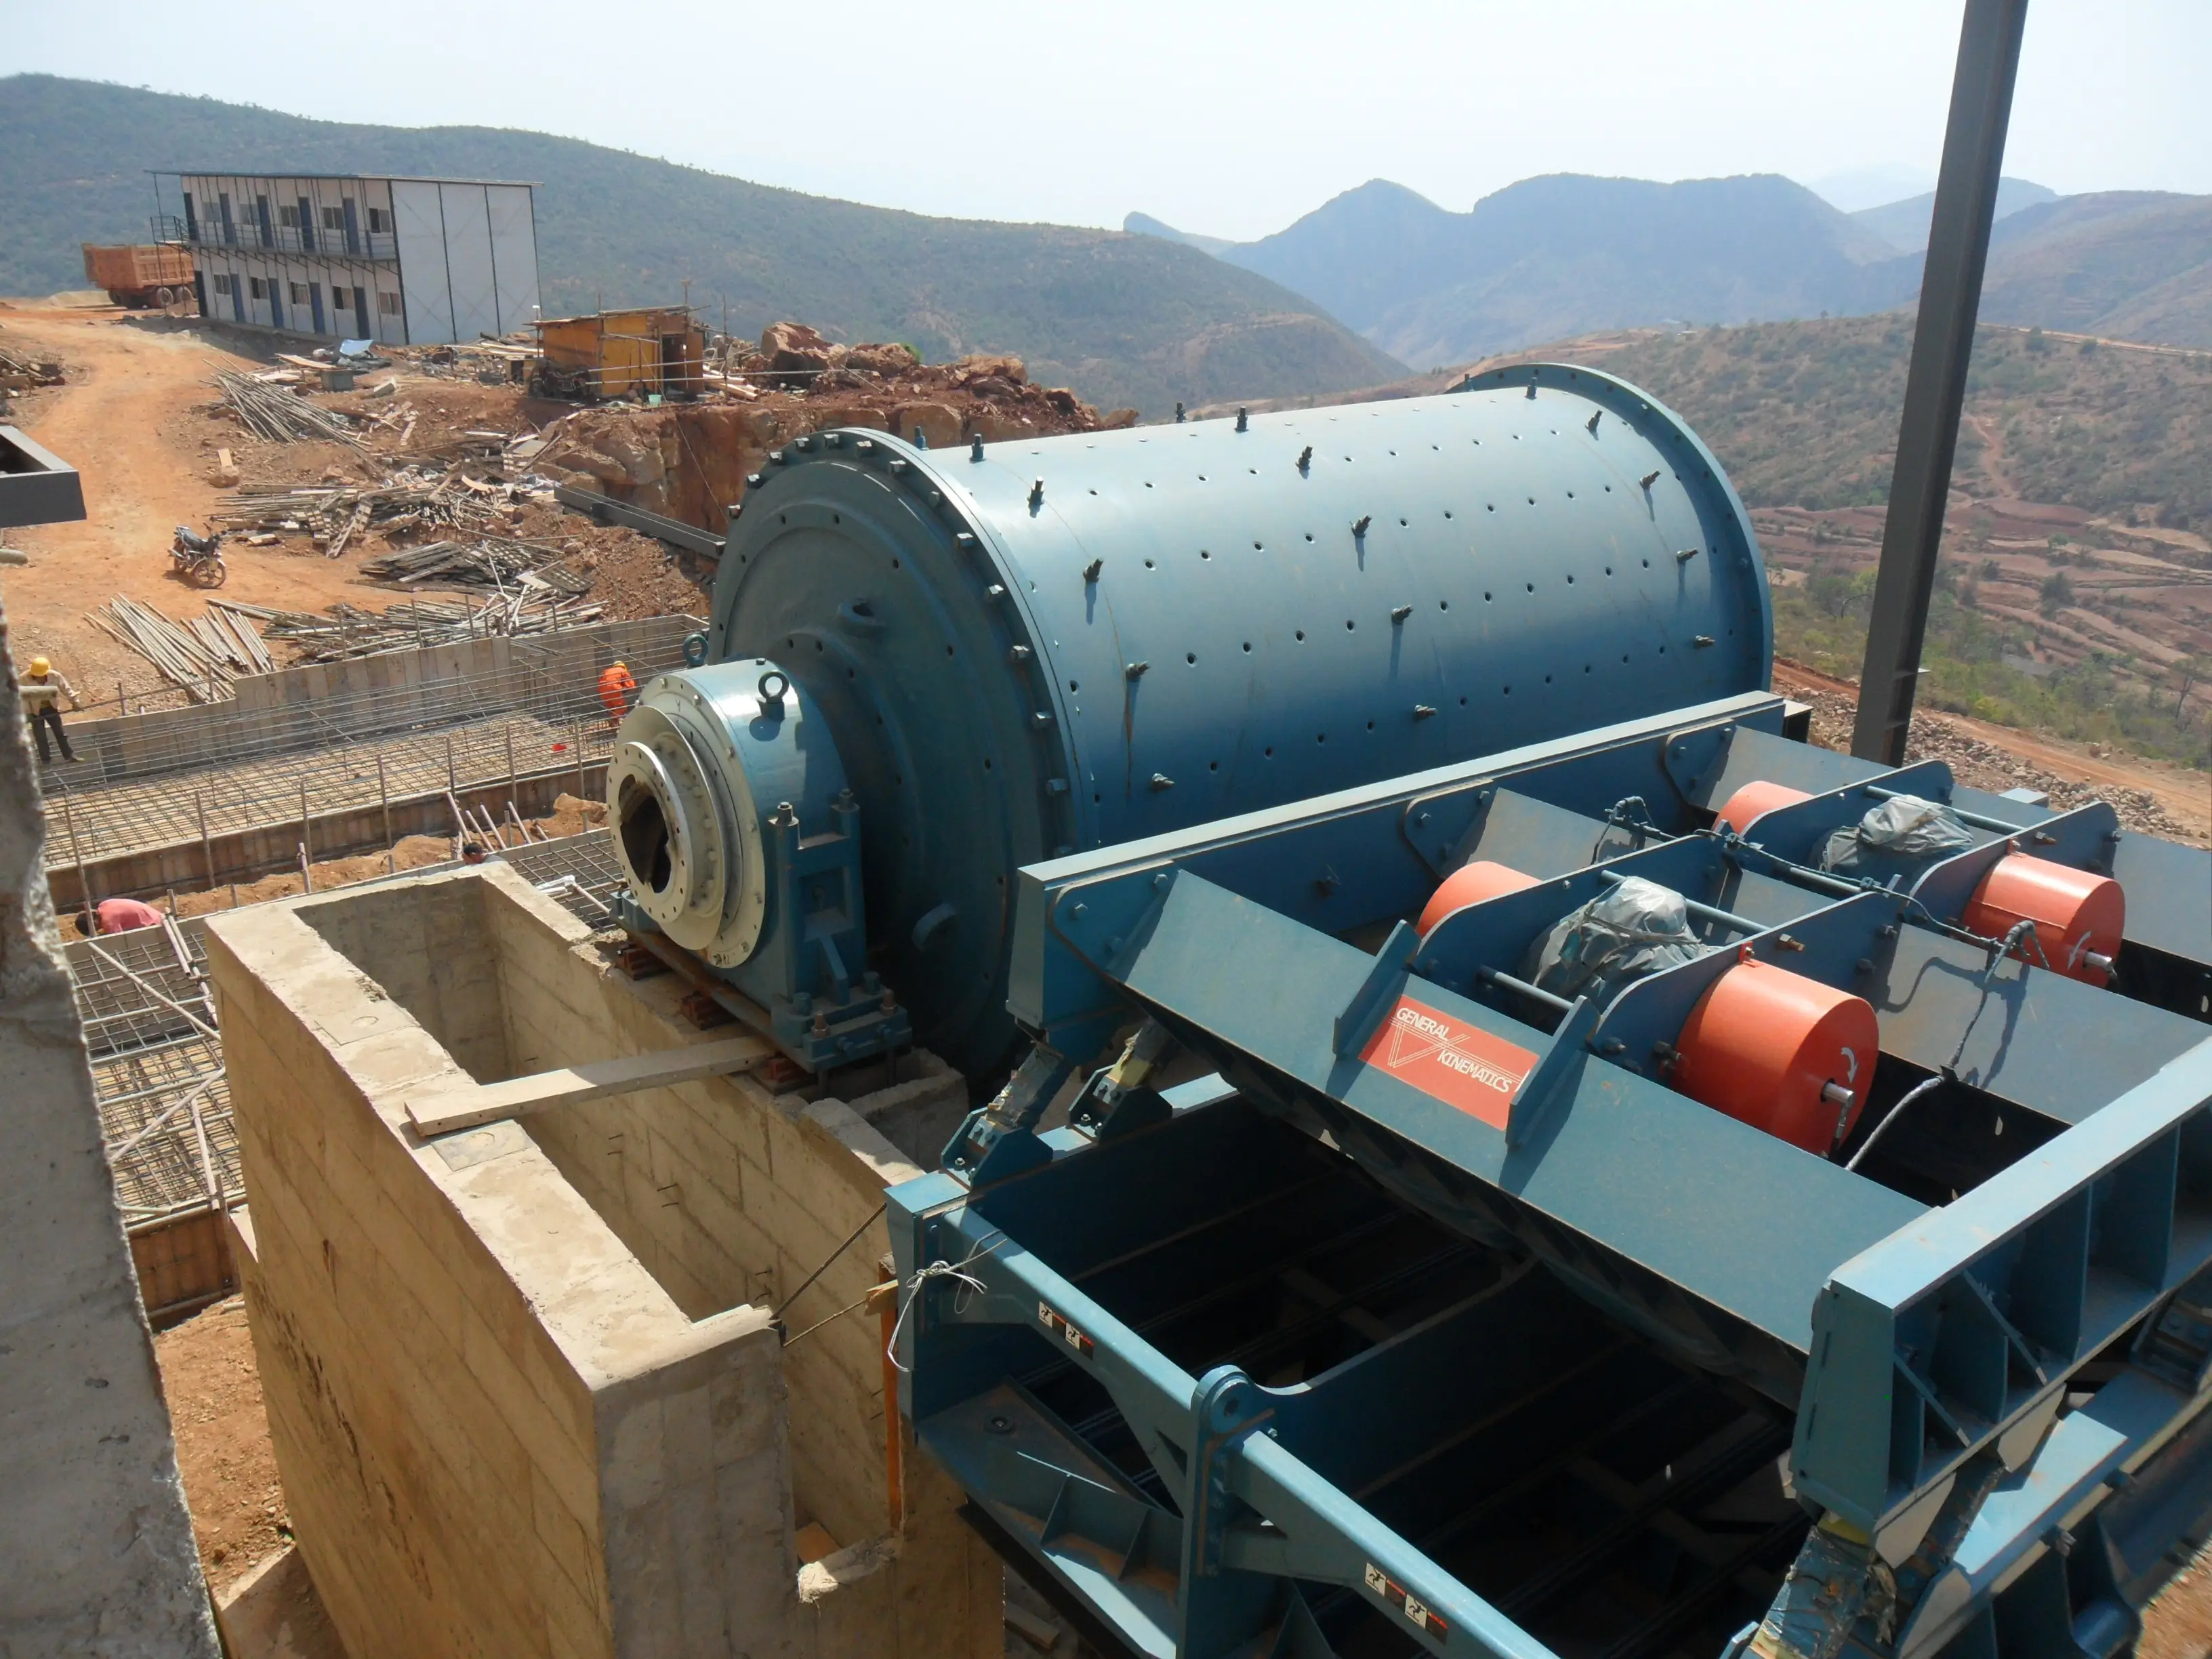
(618, 354)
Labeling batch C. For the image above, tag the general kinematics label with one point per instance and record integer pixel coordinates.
(1462, 1065)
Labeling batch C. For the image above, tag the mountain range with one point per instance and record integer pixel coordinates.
(1350, 296)
(1567, 254)
(1904, 224)
(1124, 320)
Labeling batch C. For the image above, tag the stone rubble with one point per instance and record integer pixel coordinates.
(690, 460)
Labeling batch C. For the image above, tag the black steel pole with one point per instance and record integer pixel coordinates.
(1936, 381)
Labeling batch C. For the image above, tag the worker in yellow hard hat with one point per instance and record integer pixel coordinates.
(615, 687)
(42, 690)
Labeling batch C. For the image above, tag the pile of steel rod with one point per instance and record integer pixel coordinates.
(281, 415)
(203, 658)
(349, 631)
(503, 562)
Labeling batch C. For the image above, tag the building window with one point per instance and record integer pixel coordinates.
(225, 282)
(380, 221)
(387, 302)
(257, 288)
(288, 217)
(333, 218)
(300, 292)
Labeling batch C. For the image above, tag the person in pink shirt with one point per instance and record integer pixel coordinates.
(119, 915)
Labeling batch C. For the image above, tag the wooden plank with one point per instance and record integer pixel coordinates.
(487, 1103)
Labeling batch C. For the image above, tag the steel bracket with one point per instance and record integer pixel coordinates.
(1442, 824)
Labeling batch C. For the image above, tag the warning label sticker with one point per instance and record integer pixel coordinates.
(1055, 1322)
(1402, 1600)
(1462, 1065)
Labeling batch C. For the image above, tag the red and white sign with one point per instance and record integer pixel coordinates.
(1462, 1065)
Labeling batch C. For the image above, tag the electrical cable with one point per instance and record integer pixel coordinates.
(1895, 1112)
(777, 1316)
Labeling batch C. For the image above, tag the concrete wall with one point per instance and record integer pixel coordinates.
(521, 1399)
(727, 1193)
(309, 706)
(97, 1546)
(246, 854)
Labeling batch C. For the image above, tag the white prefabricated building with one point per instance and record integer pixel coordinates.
(352, 256)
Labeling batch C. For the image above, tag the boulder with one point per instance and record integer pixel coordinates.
(1117, 420)
(994, 425)
(983, 366)
(940, 423)
(794, 348)
(837, 415)
(887, 359)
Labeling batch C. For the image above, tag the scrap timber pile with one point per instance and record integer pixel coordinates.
(414, 499)
(442, 489)
(21, 374)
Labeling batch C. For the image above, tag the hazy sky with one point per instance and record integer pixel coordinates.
(1231, 118)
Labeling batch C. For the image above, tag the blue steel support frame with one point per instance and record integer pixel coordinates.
(1921, 1340)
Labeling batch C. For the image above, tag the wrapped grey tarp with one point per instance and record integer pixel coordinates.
(1898, 839)
(1634, 928)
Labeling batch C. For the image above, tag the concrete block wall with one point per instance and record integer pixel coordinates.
(511, 1416)
(729, 1193)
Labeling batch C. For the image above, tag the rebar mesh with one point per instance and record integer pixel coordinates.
(164, 1101)
(248, 772)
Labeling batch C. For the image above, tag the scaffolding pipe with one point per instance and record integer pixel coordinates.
(144, 984)
(83, 881)
(207, 843)
(213, 1182)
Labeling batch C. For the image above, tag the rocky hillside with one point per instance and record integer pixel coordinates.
(690, 461)
(1129, 319)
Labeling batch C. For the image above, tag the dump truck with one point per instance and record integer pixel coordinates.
(150, 274)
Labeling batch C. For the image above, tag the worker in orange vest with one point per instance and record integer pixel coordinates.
(615, 687)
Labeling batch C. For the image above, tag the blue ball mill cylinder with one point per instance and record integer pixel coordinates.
(1020, 649)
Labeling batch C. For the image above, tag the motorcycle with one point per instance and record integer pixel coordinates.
(198, 559)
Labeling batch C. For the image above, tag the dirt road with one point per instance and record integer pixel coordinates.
(130, 419)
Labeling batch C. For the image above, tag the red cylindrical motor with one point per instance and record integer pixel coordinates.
(2079, 915)
(1470, 884)
(1755, 797)
(1780, 1052)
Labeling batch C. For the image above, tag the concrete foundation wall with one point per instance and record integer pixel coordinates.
(314, 705)
(93, 1536)
(728, 1194)
(247, 855)
(522, 1402)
